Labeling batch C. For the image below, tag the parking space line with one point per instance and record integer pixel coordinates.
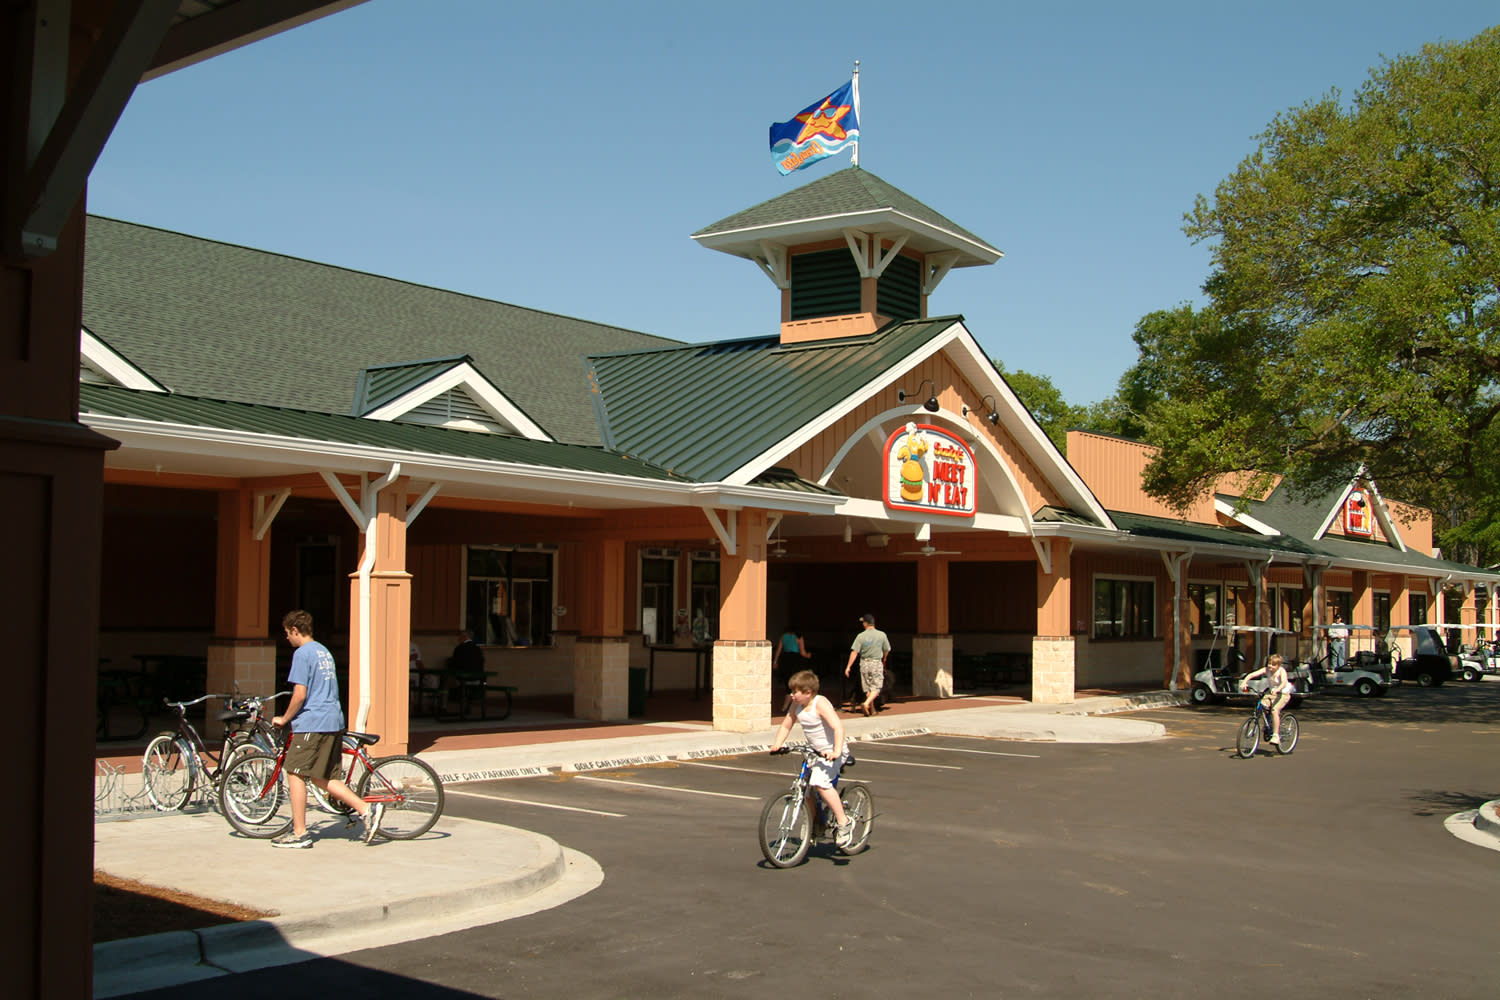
(668, 788)
(906, 763)
(747, 770)
(530, 802)
(988, 753)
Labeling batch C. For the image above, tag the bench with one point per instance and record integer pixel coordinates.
(472, 688)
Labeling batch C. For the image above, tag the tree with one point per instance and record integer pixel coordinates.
(1045, 402)
(1353, 298)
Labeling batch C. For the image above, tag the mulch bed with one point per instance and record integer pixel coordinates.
(124, 908)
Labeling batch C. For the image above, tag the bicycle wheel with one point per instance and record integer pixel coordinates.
(785, 830)
(412, 793)
(254, 804)
(167, 772)
(859, 807)
(1248, 738)
(1288, 734)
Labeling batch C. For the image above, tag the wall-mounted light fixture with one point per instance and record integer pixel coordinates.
(993, 416)
(931, 405)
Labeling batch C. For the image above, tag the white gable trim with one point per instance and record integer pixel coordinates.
(465, 378)
(1382, 513)
(115, 365)
(976, 367)
(1225, 508)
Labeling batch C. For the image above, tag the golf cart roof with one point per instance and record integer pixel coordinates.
(1469, 625)
(1352, 628)
(1227, 629)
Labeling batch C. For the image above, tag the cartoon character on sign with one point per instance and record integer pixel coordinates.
(913, 475)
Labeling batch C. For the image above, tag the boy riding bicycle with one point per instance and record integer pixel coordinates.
(825, 732)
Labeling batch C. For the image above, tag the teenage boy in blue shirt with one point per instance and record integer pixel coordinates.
(317, 737)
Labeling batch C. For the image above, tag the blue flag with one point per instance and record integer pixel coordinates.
(818, 130)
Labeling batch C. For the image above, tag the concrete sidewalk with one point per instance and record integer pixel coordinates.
(342, 895)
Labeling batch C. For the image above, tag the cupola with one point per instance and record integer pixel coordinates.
(849, 252)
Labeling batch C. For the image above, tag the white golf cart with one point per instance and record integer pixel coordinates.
(1363, 669)
(1478, 658)
(1226, 664)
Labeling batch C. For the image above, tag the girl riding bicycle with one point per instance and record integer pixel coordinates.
(1278, 693)
(821, 725)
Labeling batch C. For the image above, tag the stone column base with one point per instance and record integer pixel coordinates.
(932, 666)
(601, 678)
(250, 665)
(1054, 671)
(742, 676)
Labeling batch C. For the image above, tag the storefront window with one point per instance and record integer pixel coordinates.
(1289, 609)
(1124, 609)
(705, 595)
(508, 596)
(1382, 620)
(1416, 608)
(1204, 613)
(658, 597)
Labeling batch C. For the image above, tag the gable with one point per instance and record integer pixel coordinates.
(442, 392)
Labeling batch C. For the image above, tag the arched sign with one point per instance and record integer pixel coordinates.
(929, 471)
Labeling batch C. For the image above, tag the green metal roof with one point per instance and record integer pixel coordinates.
(851, 192)
(219, 321)
(777, 478)
(379, 384)
(706, 410)
(341, 429)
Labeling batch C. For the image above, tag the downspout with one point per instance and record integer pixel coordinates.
(364, 516)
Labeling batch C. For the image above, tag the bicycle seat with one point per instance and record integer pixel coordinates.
(231, 715)
(363, 738)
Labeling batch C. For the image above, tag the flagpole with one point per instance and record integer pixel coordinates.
(854, 161)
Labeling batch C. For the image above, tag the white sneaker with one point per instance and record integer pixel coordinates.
(1275, 738)
(845, 833)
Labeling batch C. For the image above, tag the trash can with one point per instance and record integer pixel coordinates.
(637, 690)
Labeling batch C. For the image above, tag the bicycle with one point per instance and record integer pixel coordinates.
(173, 761)
(1258, 726)
(787, 830)
(255, 800)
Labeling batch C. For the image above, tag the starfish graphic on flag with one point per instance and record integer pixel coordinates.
(823, 120)
(819, 130)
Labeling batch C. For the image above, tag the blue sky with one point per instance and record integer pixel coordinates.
(559, 155)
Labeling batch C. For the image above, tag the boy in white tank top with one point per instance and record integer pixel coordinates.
(825, 733)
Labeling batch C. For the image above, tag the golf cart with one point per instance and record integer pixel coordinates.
(1363, 671)
(1429, 663)
(1478, 658)
(1225, 664)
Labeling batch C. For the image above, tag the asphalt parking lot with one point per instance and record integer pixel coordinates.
(1000, 869)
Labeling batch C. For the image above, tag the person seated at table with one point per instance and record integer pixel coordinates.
(467, 657)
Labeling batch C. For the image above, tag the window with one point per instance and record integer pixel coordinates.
(1382, 620)
(658, 590)
(1289, 609)
(508, 595)
(705, 594)
(1416, 608)
(1124, 609)
(1239, 605)
(1204, 613)
(1341, 601)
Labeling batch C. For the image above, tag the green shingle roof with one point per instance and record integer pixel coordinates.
(705, 410)
(342, 429)
(848, 192)
(219, 321)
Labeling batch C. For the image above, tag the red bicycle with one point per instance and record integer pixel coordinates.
(254, 798)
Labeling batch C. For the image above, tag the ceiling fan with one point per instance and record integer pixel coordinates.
(928, 550)
(777, 547)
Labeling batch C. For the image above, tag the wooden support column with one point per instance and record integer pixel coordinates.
(390, 627)
(742, 654)
(601, 658)
(52, 481)
(242, 653)
(1054, 664)
(932, 647)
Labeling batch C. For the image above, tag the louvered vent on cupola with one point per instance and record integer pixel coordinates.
(456, 409)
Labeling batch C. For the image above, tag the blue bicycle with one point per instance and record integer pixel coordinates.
(788, 828)
(1258, 727)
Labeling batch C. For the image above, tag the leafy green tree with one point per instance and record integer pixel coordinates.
(1353, 297)
(1045, 402)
